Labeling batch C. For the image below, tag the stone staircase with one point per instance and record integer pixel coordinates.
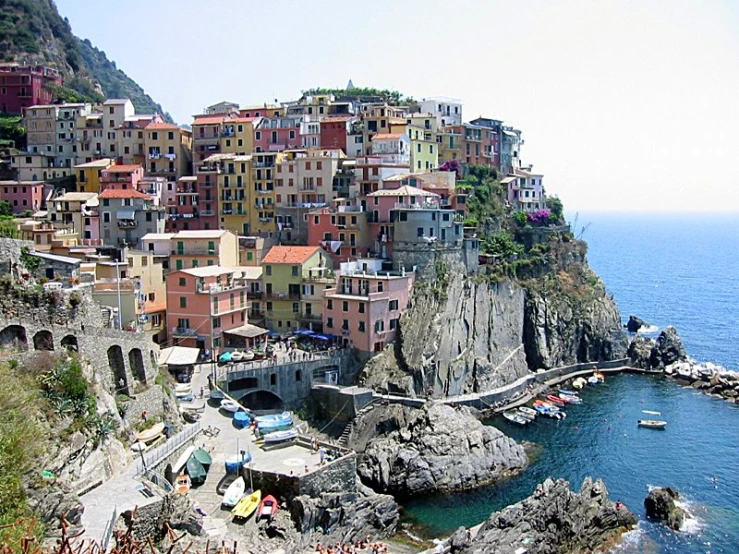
(349, 427)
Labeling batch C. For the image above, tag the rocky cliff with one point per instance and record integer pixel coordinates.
(468, 333)
(554, 520)
(408, 451)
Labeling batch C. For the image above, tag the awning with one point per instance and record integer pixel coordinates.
(125, 214)
(321, 337)
(247, 331)
(179, 355)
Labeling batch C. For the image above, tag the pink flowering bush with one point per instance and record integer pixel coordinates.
(540, 217)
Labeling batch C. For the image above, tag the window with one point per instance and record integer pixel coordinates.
(419, 232)
(183, 282)
(178, 264)
(106, 217)
(361, 327)
(269, 306)
(319, 165)
(216, 322)
(330, 322)
(268, 270)
(106, 202)
(361, 307)
(295, 270)
(393, 324)
(273, 379)
(345, 325)
(380, 286)
(345, 306)
(296, 307)
(258, 135)
(298, 376)
(183, 302)
(379, 326)
(393, 305)
(329, 304)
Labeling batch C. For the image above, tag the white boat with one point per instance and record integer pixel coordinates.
(234, 493)
(593, 380)
(279, 436)
(182, 460)
(230, 405)
(138, 447)
(199, 408)
(651, 423)
(650, 412)
(150, 434)
(526, 412)
(248, 356)
(515, 418)
(579, 383)
(237, 356)
(183, 388)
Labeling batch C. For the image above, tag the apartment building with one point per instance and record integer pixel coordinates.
(204, 248)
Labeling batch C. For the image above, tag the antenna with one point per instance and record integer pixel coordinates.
(582, 231)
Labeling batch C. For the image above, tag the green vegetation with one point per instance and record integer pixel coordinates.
(5, 208)
(486, 194)
(501, 244)
(8, 228)
(30, 262)
(392, 97)
(12, 132)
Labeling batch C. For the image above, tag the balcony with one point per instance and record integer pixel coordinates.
(209, 168)
(154, 155)
(207, 213)
(206, 136)
(264, 191)
(282, 296)
(206, 185)
(254, 295)
(196, 252)
(214, 288)
(127, 223)
(311, 318)
(419, 206)
(184, 332)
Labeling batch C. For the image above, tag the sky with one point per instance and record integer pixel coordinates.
(624, 105)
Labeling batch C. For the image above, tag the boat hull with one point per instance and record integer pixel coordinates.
(247, 505)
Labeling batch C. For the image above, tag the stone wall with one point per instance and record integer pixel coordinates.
(427, 258)
(10, 256)
(341, 404)
(153, 400)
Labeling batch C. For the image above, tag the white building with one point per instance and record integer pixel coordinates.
(448, 111)
(393, 148)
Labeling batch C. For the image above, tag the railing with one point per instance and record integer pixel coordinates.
(195, 252)
(184, 332)
(419, 206)
(207, 213)
(282, 296)
(108, 532)
(127, 223)
(208, 169)
(150, 459)
(206, 185)
(310, 317)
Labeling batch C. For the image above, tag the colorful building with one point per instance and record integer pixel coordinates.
(121, 177)
(168, 151)
(22, 86)
(448, 111)
(525, 190)
(237, 136)
(204, 248)
(262, 209)
(203, 303)
(365, 306)
(341, 229)
(285, 269)
(206, 136)
(77, 211)
(50, 130)
(183, 205)
(235, 191)
(206, 184)
(335, 131)
(22, 195)
(277, 134)
(128, 215)
(89, 175)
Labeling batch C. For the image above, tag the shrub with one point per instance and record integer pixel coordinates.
(521, 218)
(539, 217)
(75, 299)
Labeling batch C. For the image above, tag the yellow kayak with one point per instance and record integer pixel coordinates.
(247, 505)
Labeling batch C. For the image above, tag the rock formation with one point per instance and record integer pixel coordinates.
(654, 355)
(660, 504)
(635, 323)
(554, 520)
(437, 448)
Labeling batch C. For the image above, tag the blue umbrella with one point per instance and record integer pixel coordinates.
(321, 337)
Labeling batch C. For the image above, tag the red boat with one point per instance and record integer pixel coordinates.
(556, 399)
(268, 507)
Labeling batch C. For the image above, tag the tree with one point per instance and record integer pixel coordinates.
(5, 208)
(555, 206)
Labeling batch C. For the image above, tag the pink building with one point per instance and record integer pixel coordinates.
(365, 307)
(203, 303)
(121, 177)
(22, 195)
(341, 229)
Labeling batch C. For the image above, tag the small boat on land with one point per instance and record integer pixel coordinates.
(248, 356)
(237, 356)
(203, 457)
(230, 405)
(556, 399)
(179, 465)
(268, 508)
(280, 436)
(651, 423)
(196, 471)
(182, 484)
(525, 410)
(236, 462)
(183, 388)
(224, 358)
(150, 434)
(247, 505)
(274, 418)
(217, 394)
(198, 408)
(234, 493)
(516, 418)
(650, 412)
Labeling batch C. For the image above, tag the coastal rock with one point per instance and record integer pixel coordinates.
(667, 350)
(660, 504)
(640, 352)
(635, 323)
(437, 448)
(554, 520)
(54, 500)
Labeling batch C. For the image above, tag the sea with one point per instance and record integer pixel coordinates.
(669, 269)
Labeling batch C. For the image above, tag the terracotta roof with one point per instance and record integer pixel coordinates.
(209, 120)
(117, 193)
(289, 254)
(123, 168)
(381, 136)
(163, 126)
(244, 119)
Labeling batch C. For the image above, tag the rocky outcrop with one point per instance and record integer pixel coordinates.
(646, 353)
(554, 520)
(660, 505)
(437, 448)
(635, 323)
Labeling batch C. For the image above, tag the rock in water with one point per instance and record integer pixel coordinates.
(660, 504)
(646, 353)
(635, 323)
(670, 347)
(554, 520)
(437, 448)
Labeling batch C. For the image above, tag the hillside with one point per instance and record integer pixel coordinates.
(32, 31)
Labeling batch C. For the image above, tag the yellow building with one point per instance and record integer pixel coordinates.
(88, 174)
(204, 248)
(168, 151)
(235, 191)
(237, 136)
(421, 129)
(285, 270)
(262, 206)
(450, 144)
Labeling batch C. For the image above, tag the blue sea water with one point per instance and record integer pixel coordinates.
(668, 269)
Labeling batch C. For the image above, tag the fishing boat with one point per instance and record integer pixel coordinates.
(570, 399)
(650, 412)
(247, 505)
(567, 392)
(150, 434)
(556, 399)
(203, 457)
(198, 408)
(525, 410)
(548, 411)
(230, 405)
(280, 436)
(196, 471)
(268, 508)
(651, 423)
(182, 484)
(274, 418)
(179, 465)
(234, 493)
(237, 356)
(183, 388)
(515, 418)
(242, 419)
(593, 380)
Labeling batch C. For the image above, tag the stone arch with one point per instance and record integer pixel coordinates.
(262, 400)
(43, 340)
(136, 362)
(70, 343)
(14, 336)
(118, 367)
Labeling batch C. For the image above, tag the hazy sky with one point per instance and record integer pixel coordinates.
(623, 104)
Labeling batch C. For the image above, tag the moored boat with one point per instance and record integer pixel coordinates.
(525, 410)
(570, 399)
(516, 418)
(224, 358)
(196, 471)
(234, 493)
(248, 356)
(651, 423)
(280, 436)
(230, 405)
(593, 380)
(268, 508)
(651, 412)
(247, 505)
(567, 392)
(203, 457)
(579, 383)
(556, 399)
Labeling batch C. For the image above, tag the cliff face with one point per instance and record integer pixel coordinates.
(466, 333)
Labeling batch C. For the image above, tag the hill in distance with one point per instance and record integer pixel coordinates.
(33, 32)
